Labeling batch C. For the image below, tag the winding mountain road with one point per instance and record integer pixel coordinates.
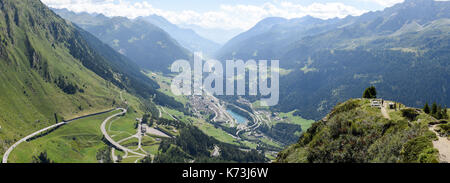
(110, 140)
(102, 127)
(6, 155)
(8, 152)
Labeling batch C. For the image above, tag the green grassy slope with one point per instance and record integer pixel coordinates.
(123, 126)
(47, 69)
(356, 132)
(77, 142)
(293, 119)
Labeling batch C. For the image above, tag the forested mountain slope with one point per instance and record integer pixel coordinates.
(146, 44)
(404, 50)
(188, 38)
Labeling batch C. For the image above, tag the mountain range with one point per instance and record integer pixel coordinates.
(187, 37)
(402, 50)
(146, 44)
(57, 65)
(218, 35)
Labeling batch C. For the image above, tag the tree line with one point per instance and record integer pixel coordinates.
(436, 110)
(193, 145)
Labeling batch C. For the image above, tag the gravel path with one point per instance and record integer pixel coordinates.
(384, 111)
(443, 145)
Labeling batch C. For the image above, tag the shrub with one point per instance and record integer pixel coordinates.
(41, 158)
(410, 114)
(416, 150)
(444, 129)
(345, 107)
(431, 135)
(430, 155)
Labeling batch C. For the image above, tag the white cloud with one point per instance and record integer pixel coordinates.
(386, 3)
(226, 17)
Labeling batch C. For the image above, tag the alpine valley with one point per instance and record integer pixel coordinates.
(79, 87)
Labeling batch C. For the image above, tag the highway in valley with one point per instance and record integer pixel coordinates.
(6, 155)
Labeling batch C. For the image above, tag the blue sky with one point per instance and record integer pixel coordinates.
(223, 14)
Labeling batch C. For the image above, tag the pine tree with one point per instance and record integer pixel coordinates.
(373, 92)
(444, 113)
(439, 114)
(370, 93)
(426, 108)
(366, 93)
(434, 108)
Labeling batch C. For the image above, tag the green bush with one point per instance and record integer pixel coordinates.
(410, 114)
(417, 150)
(431, 135)
(430, 155)
(42, 158)
(347, 106)
(444, 129)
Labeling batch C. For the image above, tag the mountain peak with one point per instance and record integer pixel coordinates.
(309, 17)
(417, 3)
(271, 21)
(267, 23)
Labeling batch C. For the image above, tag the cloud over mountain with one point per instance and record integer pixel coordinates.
(226, 16)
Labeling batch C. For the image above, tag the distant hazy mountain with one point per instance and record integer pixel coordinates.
(403, 50)
(144, 43)
(217, 35)
(269, 38)
(186, 37)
